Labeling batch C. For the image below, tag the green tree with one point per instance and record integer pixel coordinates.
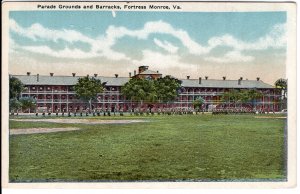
(15, 88)
(244, 96)
(253, 95)
(167, 88)
(140, 90)
(87, 88)
(281, 84)
(27, 103)
(151, 91)
(14, 104)
(198, 103)
(232, 95)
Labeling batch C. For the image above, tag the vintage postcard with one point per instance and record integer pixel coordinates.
(149, 95)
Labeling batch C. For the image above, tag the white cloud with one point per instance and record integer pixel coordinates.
(276, 38)
(101, 46)
(166, 46)
(167, 63)
(74, 53)
(230, 57)
(12, 45)
(15, 27)
(37, 31)
(113, 13)
(158, 60)
(157, 27)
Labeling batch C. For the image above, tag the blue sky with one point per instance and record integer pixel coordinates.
(216, 44)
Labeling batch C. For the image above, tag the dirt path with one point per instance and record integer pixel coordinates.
(266, 117)
(40, 130)
(80, 121)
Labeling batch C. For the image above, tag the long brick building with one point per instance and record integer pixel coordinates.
(55, 93)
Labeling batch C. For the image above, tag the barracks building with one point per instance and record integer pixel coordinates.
(56, 94)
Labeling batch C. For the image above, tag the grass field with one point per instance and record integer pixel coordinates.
(167, 148)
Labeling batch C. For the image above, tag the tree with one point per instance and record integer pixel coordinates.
(14, 104)
(198, 103)
(151, 91)
(27, 103)
(15, 88)
(281, 84)
(253, 95)
(167, 88)
(245, 96)
(231, 96)
(87, 88)
(140, 90)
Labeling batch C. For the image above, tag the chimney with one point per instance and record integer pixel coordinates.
(143, 68)
(239, 82)
(95, 74)
(28, 73)
(116, 75)
(37, 77)
(200, 79)
(188, 77)
(129, 74)
(51, 74)
(157, 71)
(206, 77)
(224, 77)
(241, 78)
(134, 73)
(257, 79)
(73, 74)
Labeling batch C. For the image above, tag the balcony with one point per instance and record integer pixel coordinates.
(201, 93)
(48, 92)
(110, 93)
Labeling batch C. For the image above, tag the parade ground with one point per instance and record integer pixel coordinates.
(202, 147)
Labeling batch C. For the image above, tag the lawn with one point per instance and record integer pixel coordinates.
(167, 148)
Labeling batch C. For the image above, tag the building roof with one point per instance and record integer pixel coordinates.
(212, 83)
(119, 81)
(66, 80)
